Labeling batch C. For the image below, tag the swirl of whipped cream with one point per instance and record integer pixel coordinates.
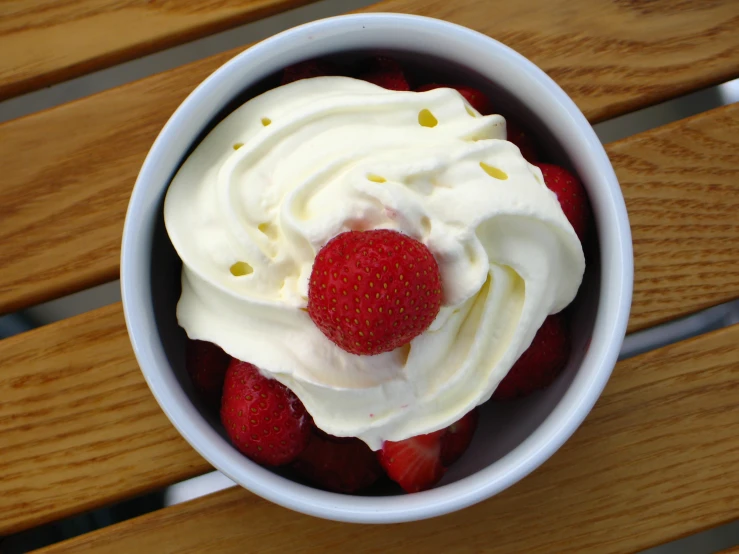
(290, 169)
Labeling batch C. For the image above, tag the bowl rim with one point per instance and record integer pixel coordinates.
(565, 418)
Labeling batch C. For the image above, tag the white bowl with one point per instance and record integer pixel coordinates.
(513, 438)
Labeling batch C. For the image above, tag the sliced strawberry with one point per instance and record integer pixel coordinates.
(385, 72)
(457, 438)
(523, 139)
(338, 464)
(415, 463)
(418, 463)
(571, 195)
(309, 69)
(540, 364)
(476, 98)
(206, 364)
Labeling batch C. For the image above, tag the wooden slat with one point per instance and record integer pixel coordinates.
(656, 459)
(47, 41)
(611, 57)
(62, 212)
(700, 213)
(681, 184)
(79, 426)
(734, 550)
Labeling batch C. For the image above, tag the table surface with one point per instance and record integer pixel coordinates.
(658, 457)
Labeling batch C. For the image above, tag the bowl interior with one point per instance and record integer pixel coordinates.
(503, 426)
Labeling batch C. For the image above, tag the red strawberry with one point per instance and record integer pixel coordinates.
(384, 72)
(418, 463)
(263, 418)
(206, 364)
(571, 195)
(457, 438)
(415, 463)
(521, 138)
(308, 70)
(373, 291)
(338, 464)
(477, 99)
(540, 364)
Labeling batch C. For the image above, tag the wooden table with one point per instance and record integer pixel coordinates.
(658, 458)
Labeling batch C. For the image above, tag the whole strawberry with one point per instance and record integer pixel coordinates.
(476, 98)
(338, 464)
(540, 364)
(263, 418)
(206, 364)
(385, 72)
(418, 463)
(571, 195)
(373, 291)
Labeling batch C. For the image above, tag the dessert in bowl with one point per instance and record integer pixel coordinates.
(264, 182)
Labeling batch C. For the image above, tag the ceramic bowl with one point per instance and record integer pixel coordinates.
(513, 438)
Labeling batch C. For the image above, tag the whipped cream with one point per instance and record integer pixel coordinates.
(290, 169)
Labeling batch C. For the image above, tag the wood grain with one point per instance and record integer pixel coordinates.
(656, 459)
(611, 56)
(681, 185)
(61, 213)
(83, 429)
(58, 186)
(48, 41)
(79, 426)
